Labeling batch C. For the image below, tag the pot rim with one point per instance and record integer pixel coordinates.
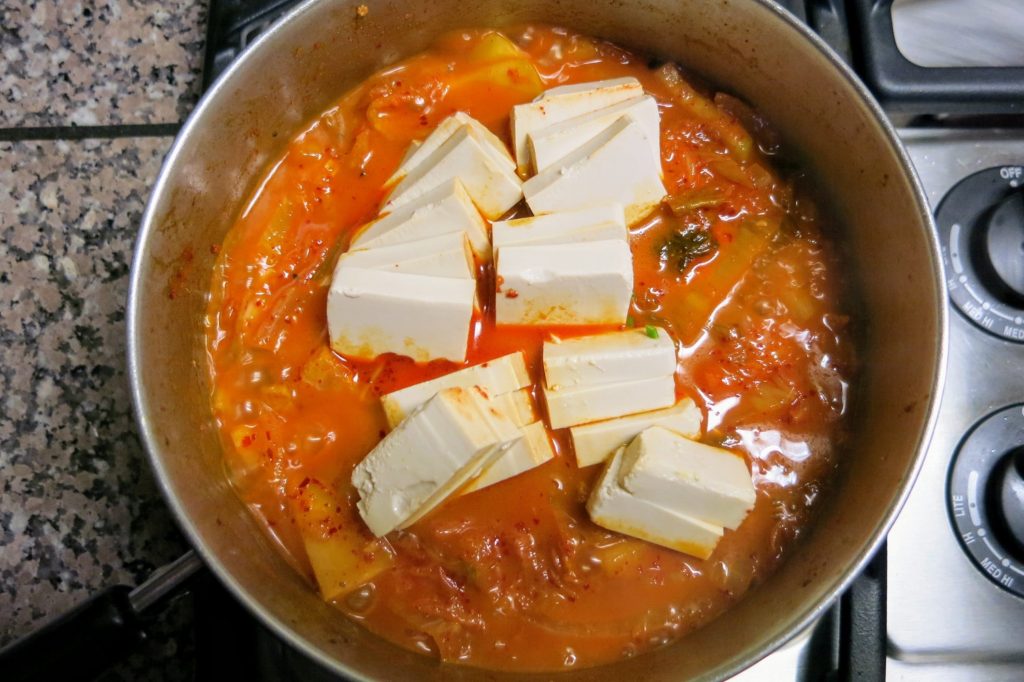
(140, 402)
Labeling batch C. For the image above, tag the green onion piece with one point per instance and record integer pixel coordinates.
(651, 331)
(630, 322)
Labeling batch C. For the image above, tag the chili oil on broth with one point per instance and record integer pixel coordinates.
(516, 577)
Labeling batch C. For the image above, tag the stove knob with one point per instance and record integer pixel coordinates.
(981, 229)
(986, 497)
(1006, 505)
(1002, 250)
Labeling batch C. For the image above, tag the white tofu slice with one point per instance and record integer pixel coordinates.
(615, 508)
(533, 450)
(574, 88)
(446, 255)
(371, 312)
(562, 103)
(592, 224)
(688, 477)
(595, 443)
(585, 404)
(438, 443)
(495, 377)
(518, 406)
(625, 355)
(413, 146)
(616, 165)
(507, 435)
(447, 208)
(418, 151)
(550, 145)
(564, 284)
(493, 188)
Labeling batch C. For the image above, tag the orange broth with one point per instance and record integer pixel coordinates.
(516, 576)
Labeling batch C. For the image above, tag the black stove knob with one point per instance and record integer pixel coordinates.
(981, 228)
(1006, 502)
(986, 497)
(1002, 250)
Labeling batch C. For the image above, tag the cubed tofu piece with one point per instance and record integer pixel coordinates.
(626, 355)
(519, 406)
(418, 152)
(371, 312)
(593, 224)
(446, 209)
(562, 103)
(550, 145)
(585, 404)
(495, 377)
(508, 437)
(595, 443)
(533, 450)
(688, 477)
(564, 284)
(615, 165)
(613, 507)
(447, 255)
(451, 437)
(493, 188)
(630, 88)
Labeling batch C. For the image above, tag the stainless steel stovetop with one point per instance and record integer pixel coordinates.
(955, 604)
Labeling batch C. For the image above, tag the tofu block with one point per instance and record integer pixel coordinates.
(595, 443)
(585, 404)
(562, 103)
(494, 377)
(613, 507)
(450, 437)
(533, 450)
(419, 151)
(371, 312)
(518, 406)
(625, 355)
(688, 477)
(446, 209)
(493, 188)
(508, 436)
(447, 255)
(593, 224)
(564, 284)
(550, 145)
(616, 165)
(631, 85)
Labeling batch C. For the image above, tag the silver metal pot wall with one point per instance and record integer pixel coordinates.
(746, 47)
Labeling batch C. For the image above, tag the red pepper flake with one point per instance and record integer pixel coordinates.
(247, 440)
(511, 293)
(214, 249)
(424, 120)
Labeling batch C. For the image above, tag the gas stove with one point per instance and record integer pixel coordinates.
(944, 598)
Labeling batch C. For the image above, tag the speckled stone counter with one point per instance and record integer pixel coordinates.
(79, 509)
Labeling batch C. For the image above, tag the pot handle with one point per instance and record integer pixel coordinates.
(87, 640)
(904, 87)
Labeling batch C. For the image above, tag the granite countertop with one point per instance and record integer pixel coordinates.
(79, 509)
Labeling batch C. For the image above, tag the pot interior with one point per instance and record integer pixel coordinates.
(746, 48)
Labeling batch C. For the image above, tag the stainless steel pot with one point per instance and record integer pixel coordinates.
(747, 47)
